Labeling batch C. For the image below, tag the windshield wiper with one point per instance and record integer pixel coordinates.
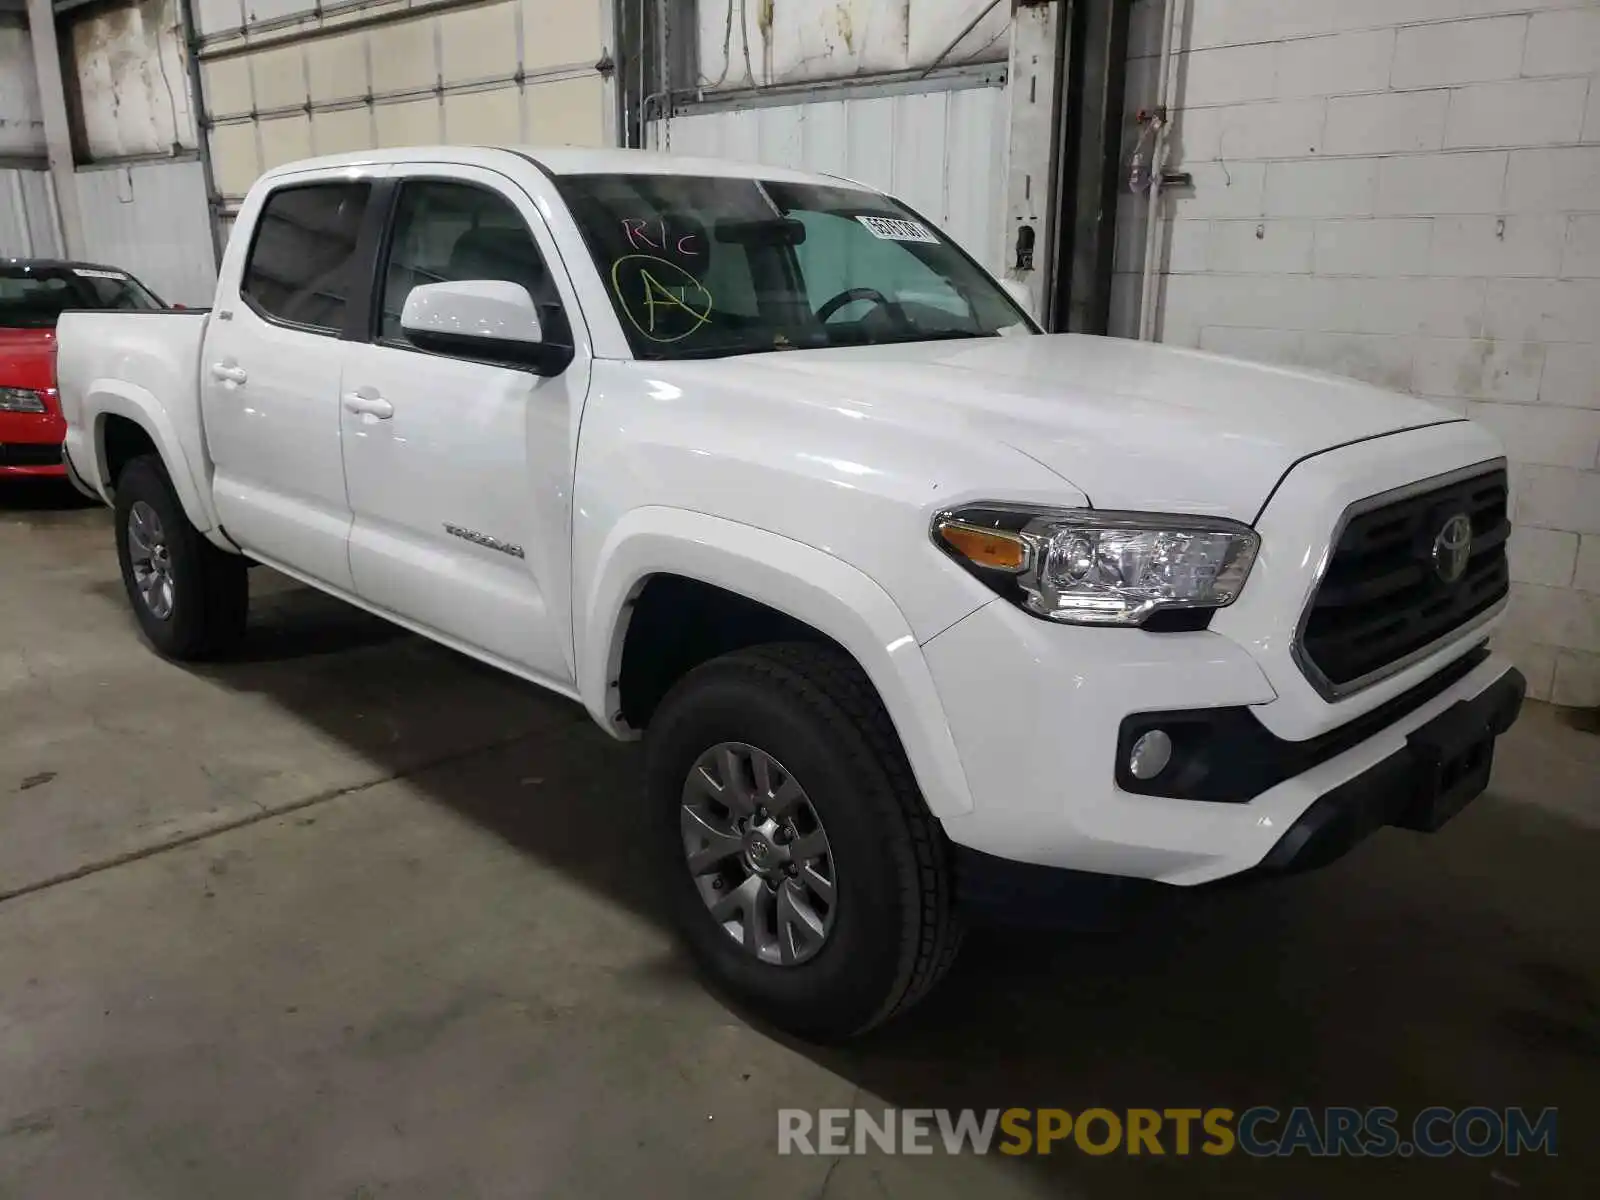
(726, 350)
(730, 350)
(938, 335)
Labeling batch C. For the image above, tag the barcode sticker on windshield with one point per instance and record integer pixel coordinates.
(893, 229)
(91, 273)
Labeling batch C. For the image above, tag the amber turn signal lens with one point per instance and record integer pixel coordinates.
(993, 548)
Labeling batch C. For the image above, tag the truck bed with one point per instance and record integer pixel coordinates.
(144, 366)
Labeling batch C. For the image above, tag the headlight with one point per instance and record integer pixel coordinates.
(1100, 568)
(21, 400)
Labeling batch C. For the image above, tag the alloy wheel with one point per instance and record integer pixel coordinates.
(151, 559)
(758, 854)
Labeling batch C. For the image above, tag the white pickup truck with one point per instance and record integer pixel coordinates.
(922, 613)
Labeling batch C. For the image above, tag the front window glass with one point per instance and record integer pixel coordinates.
(33, 296)
(704, 267)
(445, 232)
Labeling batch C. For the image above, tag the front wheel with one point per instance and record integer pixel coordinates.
(798, 861)
(189, 598)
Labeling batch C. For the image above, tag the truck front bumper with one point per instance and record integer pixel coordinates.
(1042, 715)
(1443, 766)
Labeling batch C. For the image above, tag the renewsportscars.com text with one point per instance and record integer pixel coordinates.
(1260, 1131)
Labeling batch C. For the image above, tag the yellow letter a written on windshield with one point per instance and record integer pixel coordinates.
(649, 305)
(657, 295)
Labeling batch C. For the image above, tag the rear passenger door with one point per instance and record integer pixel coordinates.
(270, 373)
(459, 469)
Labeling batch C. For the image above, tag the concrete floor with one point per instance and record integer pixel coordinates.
(352, 917)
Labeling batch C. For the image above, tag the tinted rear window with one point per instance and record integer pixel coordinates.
(302, 263)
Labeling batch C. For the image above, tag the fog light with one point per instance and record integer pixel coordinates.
(1150, 756)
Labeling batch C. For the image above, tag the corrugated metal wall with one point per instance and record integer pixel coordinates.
(21, 124)
(29, 227)
(151, 219)
(941, 152)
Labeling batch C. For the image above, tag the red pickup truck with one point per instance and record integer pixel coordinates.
(33, 294)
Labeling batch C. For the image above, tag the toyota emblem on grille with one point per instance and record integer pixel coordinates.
(1452, 547)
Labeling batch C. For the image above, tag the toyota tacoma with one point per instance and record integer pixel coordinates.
(921, 613)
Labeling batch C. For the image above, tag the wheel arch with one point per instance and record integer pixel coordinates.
(804, 593)
(125, 413)
(118, 440)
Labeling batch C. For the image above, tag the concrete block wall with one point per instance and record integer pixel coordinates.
(1406, 191)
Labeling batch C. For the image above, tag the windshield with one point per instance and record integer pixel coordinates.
(34, 296)
(703, 267)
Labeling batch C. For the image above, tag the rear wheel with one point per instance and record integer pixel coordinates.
(189, 598)
(799, 863)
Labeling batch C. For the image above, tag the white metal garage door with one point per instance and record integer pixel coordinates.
(286, 79)
(942, 152)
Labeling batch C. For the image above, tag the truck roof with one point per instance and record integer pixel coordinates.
(565, 160)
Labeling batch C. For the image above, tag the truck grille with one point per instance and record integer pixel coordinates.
(23, 454)
(1400, 578)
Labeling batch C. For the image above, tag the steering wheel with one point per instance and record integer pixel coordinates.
(851, 295)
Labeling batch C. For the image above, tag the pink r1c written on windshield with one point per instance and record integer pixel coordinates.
(639, 231)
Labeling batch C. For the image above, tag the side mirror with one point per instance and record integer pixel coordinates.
(481, 318)
(1019, 292)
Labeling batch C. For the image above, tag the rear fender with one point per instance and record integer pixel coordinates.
(114, 397)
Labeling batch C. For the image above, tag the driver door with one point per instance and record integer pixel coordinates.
(459, 468)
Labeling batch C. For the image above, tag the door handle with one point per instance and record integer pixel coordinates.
(371, 406)
(229, 374)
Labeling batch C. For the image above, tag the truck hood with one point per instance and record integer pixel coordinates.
(1132, 425)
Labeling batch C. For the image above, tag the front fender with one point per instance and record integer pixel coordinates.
(809, 585)
(115, 397)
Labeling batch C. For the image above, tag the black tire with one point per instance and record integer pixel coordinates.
(895, 930)
(210, 588)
